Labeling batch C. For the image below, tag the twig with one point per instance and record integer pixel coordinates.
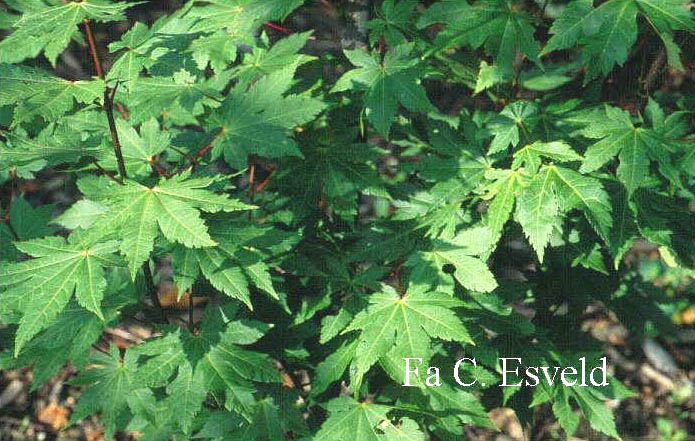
(278, 28)
(108, 99)
(252, 177)
(152, 290)
(259, 188)
(106, 173)
(158, 168)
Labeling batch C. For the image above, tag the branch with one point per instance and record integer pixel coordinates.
(108, 99)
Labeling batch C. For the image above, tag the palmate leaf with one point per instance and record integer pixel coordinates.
(387, 84)
(136, 213)
(36, 92)
(226, 23)
(263, 61)
(352, 420)
(49, 148)
(497, 25)
(392, 20)
(609, 31)
(460, 252)
(408, 322)
(48, 28)
(110, 376)
(635, 146)
(215, 358)
(183, 96)
(551, 193)
(505, 127)
(43, 286)
(258, 121)
(229, 266)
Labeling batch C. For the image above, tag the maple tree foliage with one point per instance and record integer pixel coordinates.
(234, 158)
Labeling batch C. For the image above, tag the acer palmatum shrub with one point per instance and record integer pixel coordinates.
(382, 242)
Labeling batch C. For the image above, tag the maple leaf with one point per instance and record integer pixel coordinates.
(350, 420)
(229, 266)
(50, 28)
(634, 146)
(497, 25)
(387, 84)
(138, 149)
(460, 251)
(181, 95)
(392, 21)
(550, 194)
(109, 376)
(609, 31)
(136, 213)
(408, 322)
(263, 61)
(48, 281)
(39, 93)
(258, 120)
(518, 115)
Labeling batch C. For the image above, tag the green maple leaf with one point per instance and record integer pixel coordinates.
(49, 148)
(229, 266)
(350, 420)
(460, 251)
(264, 61)
(136, 213)
(258, 121)
(407, 430)
(225, 24)
(634, 146)
(392, 21)
(609, 31)
(531, 154)
(504, 191)
(215, 360)
(50, 29)
(138, 43)
(182, 96)
(500, 26)
(408, 322)
(333, 170)
(36, 92)
(551, 193)
(386, 84)
(26, 222)
(505, 127)
(48, 281)
(109, 376)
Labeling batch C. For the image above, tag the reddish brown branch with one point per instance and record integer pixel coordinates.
(93, 48)
(259, 188)
(278, 28)
(108, 98)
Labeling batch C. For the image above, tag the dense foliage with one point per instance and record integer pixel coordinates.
(336, 212)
